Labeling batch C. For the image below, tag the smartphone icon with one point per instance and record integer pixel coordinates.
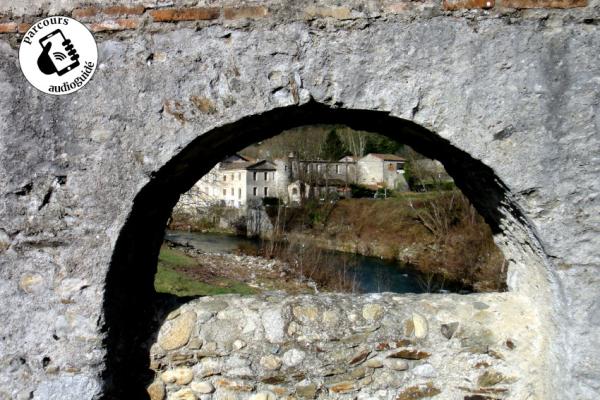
(62, 53)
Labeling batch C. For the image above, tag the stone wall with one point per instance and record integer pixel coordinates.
(505, 97)
(349, 347)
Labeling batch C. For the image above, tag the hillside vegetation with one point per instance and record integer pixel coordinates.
(438, 233)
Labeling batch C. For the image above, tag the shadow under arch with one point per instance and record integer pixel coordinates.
(131, 311)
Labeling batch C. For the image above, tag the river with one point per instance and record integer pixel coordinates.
(372, 274)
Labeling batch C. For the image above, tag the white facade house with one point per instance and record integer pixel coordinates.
(382, 170)
(239, 181)
(235, 182)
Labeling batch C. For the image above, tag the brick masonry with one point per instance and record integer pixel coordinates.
(184, 14)
(128, 17)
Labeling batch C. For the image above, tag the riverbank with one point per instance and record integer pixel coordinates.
(438, 234)
(185, 271)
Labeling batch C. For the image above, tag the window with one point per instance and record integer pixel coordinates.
(254, 175)
(266, 191)
(294, 191)
(224, 178)
(232, 191)
(337, 169)
(224, 192)
(266, 176)
(231, 176)
(254, 191)
(239, 193)
(239, 176)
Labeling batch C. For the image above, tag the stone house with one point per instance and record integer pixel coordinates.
(381, 170)
(239, 181)
(236, 182)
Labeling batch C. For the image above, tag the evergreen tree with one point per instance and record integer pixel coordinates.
(382, 144)
(333, 148)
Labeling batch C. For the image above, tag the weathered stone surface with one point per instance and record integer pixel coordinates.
(395, 364)
(305, 313)
(293, 357)
(420, 326)
(233, 385)
(372, 312)
(452, 5)
(544, 3)
(343, 387)
(274, 325)
(180, 376)
(270, 362)
(156, 391)
(31, 282)
(179, 331)
(306, 390)
(490, 378)
(419, 392)
(202, 387)
(409, 354)
(245, 12)
(183, 394)
(499, 97)
(425, 371)
(374, 363)
(448, 330)
(263, 396)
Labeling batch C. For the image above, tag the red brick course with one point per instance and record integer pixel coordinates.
(23, 27)
(123, 10)
(8, 27)
(184, 14)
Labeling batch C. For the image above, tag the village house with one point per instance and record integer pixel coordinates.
(382, 171)
(237, 182)
(240, 181)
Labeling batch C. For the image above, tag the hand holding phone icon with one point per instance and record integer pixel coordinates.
(63, 57)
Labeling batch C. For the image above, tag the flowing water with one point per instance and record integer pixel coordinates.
(372, 274)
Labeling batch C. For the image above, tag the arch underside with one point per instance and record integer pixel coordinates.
(133, 312)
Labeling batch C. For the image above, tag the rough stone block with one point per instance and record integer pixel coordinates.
(544, 3)
(184, 14)
(452, 5)
(115, 25)
(245, 12)
(397, 8)
(331, 12)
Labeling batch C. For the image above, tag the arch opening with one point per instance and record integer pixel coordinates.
(132, 310)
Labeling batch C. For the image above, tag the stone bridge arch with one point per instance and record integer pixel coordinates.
(129, 299)
(507, 98)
